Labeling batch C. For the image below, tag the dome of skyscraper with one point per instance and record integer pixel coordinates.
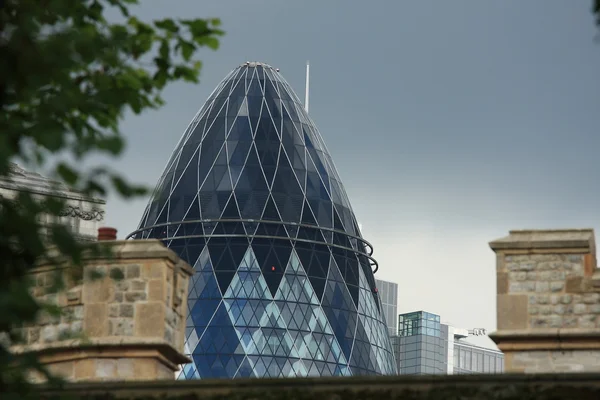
(283, 283)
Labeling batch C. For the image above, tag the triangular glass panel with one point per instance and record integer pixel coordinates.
(308, 217)
(243, 111)
(270, 212)
(231, 209)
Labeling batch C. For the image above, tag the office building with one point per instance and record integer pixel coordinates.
(283, 282)
(388, 294)
(425, 346)
(82, 214)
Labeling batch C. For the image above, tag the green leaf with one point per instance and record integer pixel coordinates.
(113, 144)
(209, 41)
(168, 25)
(164, 50)
(185, 73)
(68, 174)
(187, 49)
(126, 189)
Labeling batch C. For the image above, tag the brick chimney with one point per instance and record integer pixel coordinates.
(127, 325)
(106, 233)
(548, 301)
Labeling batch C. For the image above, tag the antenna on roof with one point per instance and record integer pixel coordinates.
(307, 86)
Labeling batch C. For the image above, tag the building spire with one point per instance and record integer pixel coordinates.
(307, 86)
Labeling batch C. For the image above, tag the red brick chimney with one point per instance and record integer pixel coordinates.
(106, 233)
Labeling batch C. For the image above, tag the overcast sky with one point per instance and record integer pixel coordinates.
(450, 123)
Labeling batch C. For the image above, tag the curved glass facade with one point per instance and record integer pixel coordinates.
(283, 282)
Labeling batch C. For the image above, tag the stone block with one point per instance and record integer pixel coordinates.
(106, 369)
(98, 290)
(33, 335)
(85, 369)
(557, 286)
(96, 319)
(512, 311)
(156, 290)
(132, 271)
(591, 298)
(65, 369)
(126, 310)
(146, 369)
(594, 308)
(587, 321)
(122, 327)
(580, 309)
(126, 368)
(146, 317)
(589, 264)
(154, 270)
(49, 334)
(133, 297)
(570, 322)
(547, 321)
(138, 285)
(542, 287)
(521, 287)
(502, 282)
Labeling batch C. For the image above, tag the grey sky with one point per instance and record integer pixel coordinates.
(449, 122)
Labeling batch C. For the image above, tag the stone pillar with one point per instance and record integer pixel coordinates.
(127, 325)
(548, 303)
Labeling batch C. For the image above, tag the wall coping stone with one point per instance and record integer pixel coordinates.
(94, 344)
(547, 339)
(548, 332)
(128, 250)
(413, 387)
(547, 239)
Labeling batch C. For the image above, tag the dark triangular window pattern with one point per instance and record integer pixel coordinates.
(283, 284)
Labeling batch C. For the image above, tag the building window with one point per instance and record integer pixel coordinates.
(474, 361)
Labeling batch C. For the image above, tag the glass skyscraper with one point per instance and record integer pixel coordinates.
(426, 346)
(388, 294)
(283, 282)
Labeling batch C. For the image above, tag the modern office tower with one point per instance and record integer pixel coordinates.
(82, 214)
(283, 282)
(388, 294)
(426, 346)
(471, 359)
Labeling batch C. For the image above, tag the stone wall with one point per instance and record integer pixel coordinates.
(127, 325)
(548, 301)
(82, 214)
(438, 387)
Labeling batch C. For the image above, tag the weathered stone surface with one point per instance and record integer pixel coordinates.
(127, 319)
(126, 310)
(580, 309)
(502, 282)
(550, 289)
(557, 286)
(49, 334)
(512, 311)
(591, 298)
(126, 368)
(560, 386)
(557, 361)
(133, 271)
(106, 369)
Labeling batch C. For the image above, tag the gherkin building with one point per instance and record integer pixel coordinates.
(283, 281)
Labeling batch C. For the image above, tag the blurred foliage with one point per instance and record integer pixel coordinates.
(68, 74)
